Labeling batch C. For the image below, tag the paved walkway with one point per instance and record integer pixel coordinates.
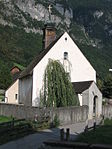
(35, 140)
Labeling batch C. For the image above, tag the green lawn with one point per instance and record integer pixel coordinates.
(14, 129)
(2, 98)
(102, 134)
(5, 119)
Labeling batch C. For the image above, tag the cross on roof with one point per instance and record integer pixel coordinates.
(50, 7)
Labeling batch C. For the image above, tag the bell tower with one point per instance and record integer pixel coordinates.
(49, 35)
(49, 31)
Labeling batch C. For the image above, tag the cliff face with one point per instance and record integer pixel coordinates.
(89, 24)
(93, 19)
(26, 14)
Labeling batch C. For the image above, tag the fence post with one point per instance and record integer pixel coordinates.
(86, 128)
(12, 123)
(103, 120)
(94, 126)
(62, 134)
(67, 134)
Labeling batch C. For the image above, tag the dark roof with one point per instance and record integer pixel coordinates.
(20, 67)
(81, 86)
(15, 67)
(37, 59)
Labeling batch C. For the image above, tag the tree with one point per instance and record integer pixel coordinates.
(107, 86)
(57, 90)
(5, 77)
(100, 84)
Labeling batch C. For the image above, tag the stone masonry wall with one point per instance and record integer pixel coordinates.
(71, 115)
(66, 115)
(107, 111)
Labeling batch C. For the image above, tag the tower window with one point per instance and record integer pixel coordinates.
(65, 55)
(16, 96)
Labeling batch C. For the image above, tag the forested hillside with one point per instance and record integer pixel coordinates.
(89, 22)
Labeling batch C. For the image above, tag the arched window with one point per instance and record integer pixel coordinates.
(65, 55)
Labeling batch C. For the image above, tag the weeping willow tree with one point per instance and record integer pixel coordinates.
(57, 90)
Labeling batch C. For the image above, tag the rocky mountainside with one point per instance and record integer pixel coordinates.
(21, 22)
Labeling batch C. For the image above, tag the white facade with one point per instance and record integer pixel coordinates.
(11, 94)
(79, 67)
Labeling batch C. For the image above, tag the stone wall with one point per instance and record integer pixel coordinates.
(70, 115)
(73, 145)
(66, 115)
(18, 111)
(107, 111)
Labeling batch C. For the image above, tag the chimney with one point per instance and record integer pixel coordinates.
(15, 71)
(49, 35)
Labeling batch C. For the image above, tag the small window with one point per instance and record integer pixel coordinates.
(66, 39)
(65, 55)
(16, 96)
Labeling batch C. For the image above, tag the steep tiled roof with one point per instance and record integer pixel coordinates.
(81, 86)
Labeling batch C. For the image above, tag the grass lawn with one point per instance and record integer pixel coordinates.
(1, 98)
(102, 134)
(5, 119)
(14, 129)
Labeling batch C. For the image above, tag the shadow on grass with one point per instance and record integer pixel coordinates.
(102, 135)
(12, 133)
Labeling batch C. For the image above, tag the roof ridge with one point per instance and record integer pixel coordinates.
(37, 59)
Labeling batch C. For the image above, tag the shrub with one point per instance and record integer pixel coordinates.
(56, 121)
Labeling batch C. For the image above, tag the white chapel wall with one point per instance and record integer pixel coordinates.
(81, 69)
